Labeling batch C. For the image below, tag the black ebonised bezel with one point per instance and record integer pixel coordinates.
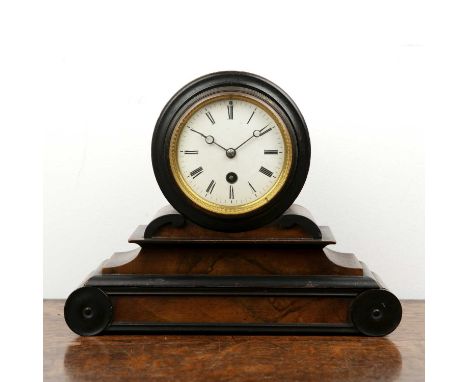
(251, 84)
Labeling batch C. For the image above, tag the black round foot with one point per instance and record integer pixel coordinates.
(376, 312)
(88, 311)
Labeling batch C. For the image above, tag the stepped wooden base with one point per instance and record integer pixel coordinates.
(185, 278)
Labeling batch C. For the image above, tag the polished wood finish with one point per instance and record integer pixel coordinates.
(397, 357)
(240, 260)
(233, 309)
(190, 232)
(276, 278)
(268, 250)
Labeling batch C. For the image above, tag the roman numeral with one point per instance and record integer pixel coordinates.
(211, 186)
(270, 151)
(190, 151)
(196, 172)
(265, 171)
(266, 131)
(210, 117)
(230, 108)
(231, 192)
(252, 115)
(252, 187)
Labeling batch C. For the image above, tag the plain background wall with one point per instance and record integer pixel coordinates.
(357, 71)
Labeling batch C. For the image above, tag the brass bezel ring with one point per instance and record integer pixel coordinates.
(224, 209)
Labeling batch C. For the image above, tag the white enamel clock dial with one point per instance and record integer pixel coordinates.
(232, 153)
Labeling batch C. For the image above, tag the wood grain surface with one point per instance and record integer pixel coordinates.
(240, 260)
(398, 357)
(232, 309)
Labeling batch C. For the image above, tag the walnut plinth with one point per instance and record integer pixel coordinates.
(279, 278)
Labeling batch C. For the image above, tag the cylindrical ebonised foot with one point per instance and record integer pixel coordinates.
(376, 312)
(88, 311)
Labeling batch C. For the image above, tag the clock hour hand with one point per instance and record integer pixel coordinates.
(255, 134)
(208, 138)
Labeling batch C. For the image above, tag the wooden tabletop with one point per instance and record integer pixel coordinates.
(398, 357)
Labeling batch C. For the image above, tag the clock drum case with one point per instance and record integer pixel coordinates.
(233, 91)
(242, 258)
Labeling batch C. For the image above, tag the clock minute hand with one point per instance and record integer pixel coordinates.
(243, 143)
(208, 138)
(255, 134)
